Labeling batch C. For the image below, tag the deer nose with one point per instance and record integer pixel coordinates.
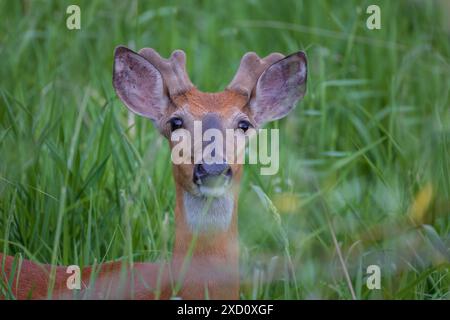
(205, 170)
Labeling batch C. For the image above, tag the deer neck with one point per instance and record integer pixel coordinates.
(206, 260)
(206, 228)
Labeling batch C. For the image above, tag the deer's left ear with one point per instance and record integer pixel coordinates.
(279, 89)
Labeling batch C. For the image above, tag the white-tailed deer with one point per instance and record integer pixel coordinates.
(205, 262)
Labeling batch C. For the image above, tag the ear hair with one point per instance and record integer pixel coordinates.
(279, 88)
(139, 84)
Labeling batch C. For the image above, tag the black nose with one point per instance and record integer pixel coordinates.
(204, 170)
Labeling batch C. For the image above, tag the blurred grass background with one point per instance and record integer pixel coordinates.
(364, 157)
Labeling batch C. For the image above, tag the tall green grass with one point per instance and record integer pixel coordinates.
(364, 159)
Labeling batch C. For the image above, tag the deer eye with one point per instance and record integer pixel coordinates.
(244, 125)
(175, 123)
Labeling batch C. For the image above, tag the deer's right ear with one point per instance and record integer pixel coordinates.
(139, 84)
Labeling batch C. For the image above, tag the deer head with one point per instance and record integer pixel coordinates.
(262, 90)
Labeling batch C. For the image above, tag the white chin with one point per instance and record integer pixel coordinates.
(208, 214)
(215, 192)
